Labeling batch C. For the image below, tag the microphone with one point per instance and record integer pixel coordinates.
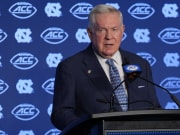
(134, 71)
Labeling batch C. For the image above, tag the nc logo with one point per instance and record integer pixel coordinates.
(172, 60)
(170, 10)
(23, 35)
(142, 36)
(53, 59)
(24, 86)
(53, 9)
(82, 36)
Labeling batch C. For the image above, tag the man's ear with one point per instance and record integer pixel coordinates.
(89, 31)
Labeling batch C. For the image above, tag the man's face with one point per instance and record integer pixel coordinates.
(107, 33)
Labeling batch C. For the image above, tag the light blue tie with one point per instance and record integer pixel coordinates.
(115, 81)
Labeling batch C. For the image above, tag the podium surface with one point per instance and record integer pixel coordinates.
(143, 122)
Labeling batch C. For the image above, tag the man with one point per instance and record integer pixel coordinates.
(83, 83)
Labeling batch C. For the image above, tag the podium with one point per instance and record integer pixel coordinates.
(143, 122)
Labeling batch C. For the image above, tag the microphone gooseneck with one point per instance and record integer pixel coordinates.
(134, 71)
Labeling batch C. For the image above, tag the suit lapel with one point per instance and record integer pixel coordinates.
(96, 73)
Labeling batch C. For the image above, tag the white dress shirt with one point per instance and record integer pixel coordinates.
(118, 63)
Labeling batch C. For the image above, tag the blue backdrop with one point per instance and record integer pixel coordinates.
(36, 35)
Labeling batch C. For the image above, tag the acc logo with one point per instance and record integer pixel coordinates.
(81, 10)
(53, 59)
(54, 35)
(131, 68)
(170, 35)
(3, 86)
(3, 35)
(53, 132)
(22, 10)
(148, 57)
(141, 11)
(48, 86)
(24, 61)
(25, 112)
(172, 84)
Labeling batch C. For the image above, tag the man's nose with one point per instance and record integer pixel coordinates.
(108, 34)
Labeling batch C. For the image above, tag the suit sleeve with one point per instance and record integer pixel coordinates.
(63, 111)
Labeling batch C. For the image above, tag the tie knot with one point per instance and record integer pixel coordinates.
(110, 62)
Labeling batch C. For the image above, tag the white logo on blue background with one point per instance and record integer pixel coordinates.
(24, 61)
(53, 9)
(142, 36)
(81, 10)
(82, 36)
(3, 35)
(53, 132)
(170, 35)
(172, 84)
(147, 56)
(25, 112)
(24, 86)
(141, 11)
(23, 35)
(22, 10)
(170, 10)
(53, 59)
(48, 85)
(3, 86)
(172, 60)
(54, 35)
(26, 132)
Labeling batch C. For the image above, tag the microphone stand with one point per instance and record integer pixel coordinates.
(171, 95)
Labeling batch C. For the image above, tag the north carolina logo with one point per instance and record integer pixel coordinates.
(25, 112)
(54, 35)
(81, 10)
(141, 11)
(22, 10)
(170, 35)
(24, 61)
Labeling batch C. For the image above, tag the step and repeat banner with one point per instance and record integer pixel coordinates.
(35, 35)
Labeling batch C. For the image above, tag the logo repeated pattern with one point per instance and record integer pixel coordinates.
(36, 35)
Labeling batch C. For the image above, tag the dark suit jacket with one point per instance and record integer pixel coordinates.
(80, 82)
